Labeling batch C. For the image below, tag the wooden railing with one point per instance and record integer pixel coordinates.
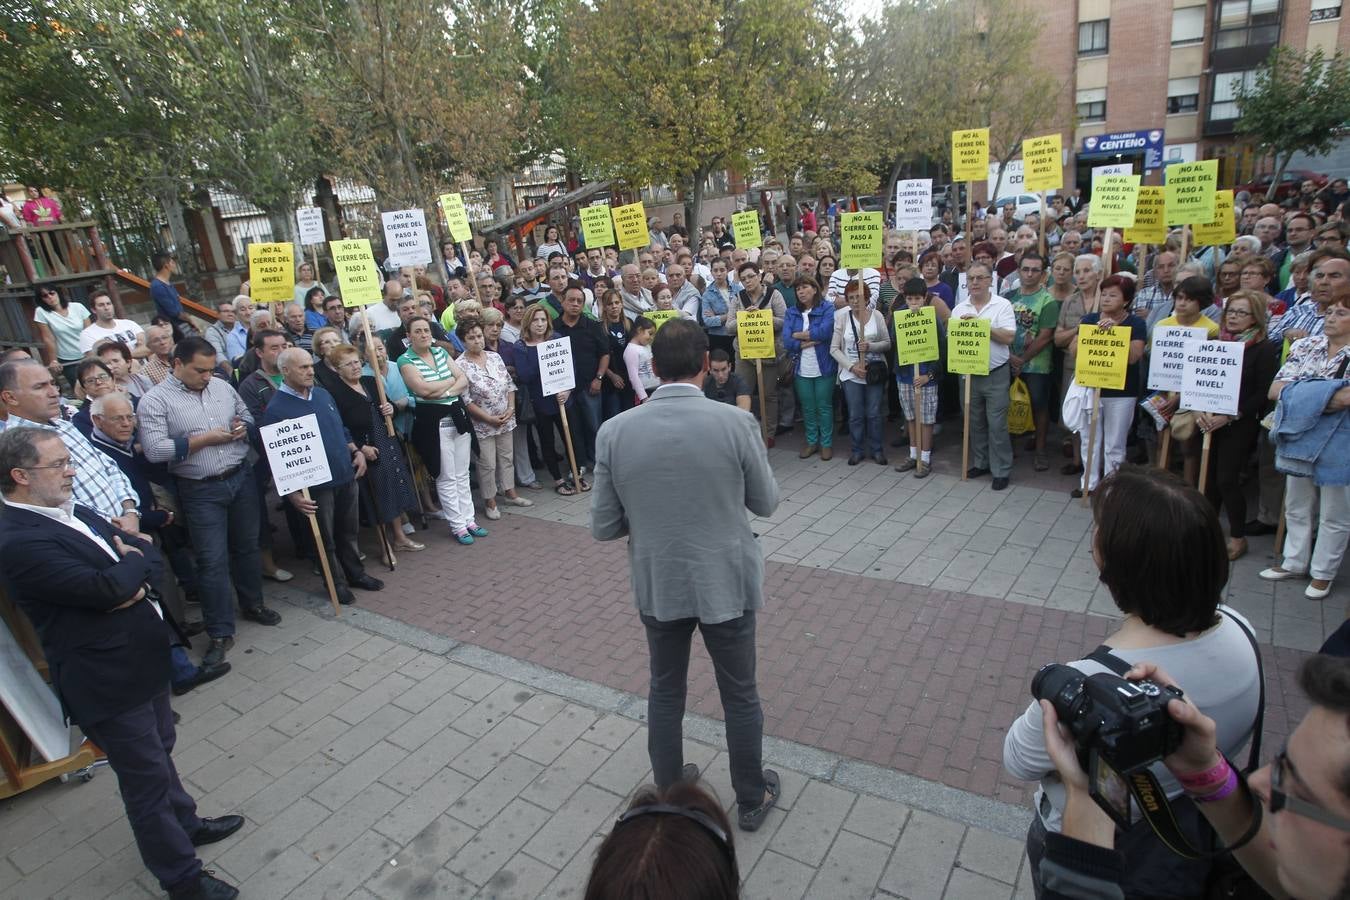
(137, 281)
(52, 254)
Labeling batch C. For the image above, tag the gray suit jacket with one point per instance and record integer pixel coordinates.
(676, 475)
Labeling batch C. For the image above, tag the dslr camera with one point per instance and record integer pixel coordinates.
(1120, 727)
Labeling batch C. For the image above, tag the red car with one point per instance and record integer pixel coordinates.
(1291, 180)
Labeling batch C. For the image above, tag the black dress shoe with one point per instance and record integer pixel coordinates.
(1257, 527)
(261, 614)
(218, 829)
(206, 887)
(346, 597)
(881, 459)
(367, 583)
(202, 676)
(215, 654)
(782, 429)
(976, 472)
(854, 459)
(1000, 484)
(192, 629)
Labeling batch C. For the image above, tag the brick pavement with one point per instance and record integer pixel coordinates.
(368, 766)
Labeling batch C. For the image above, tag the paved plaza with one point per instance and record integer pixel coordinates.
(474, 729)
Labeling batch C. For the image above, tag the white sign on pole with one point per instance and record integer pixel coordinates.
(555, 366)
(310, 221)
(295, 453)
(913, 204)
(1212, 376)
(1112, 169)
(405, 234)
(1168, 355)
(1013, 182)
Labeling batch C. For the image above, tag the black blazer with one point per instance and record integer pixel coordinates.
(102, 663)
(355, 409)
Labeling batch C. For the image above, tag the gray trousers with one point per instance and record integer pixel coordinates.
(990, 445)
(732, 648)
(339, 522)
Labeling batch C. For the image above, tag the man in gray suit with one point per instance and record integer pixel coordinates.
(675, 476)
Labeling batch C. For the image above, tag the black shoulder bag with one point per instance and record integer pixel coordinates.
(876, 369)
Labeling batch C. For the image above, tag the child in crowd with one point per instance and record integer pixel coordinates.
(637, 357)
(920, 416)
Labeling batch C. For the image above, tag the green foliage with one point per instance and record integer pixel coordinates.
(1299, 102)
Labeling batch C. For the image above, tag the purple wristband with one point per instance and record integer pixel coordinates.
(1229, 786)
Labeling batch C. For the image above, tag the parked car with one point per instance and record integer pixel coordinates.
(1024, 203)
(1291, 180)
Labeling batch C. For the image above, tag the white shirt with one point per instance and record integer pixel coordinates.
(840, 278)
(810, 367)
(123, 331)
(382, 318)
(65, 514)
(999, 312)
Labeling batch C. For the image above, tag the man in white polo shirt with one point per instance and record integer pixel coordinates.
(989, 441)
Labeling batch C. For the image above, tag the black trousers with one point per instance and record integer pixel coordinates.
(139, 745)
(1230, 448)
(339, 523)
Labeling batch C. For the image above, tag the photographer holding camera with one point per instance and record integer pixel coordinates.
(1289, 822)
(1160, 551)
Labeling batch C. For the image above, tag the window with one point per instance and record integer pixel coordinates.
(1244, 23)
(1092, 37)
(1223, 102)
(1324, 10)
(1188, 25)
(1183, 95)
(1092, 105)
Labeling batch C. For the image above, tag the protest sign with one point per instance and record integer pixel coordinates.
(271, 272)
(1189, 188)
(1042, 159)
(405, 236)
(745, 229)
(295, 454)
(1111, 169)
(1103, 357)
(1221, 230)
(597, 228)
(914, 203)
(970, 154)
(1211, 376)
(659, 317)
(968, 346)
(555, 366)
(1150, 217)
(1113, 201)
(630, 225)
(754, 333)
(456, 218)
(916, 338)
(1012, 181)
(1168, 354)
(309, 222)
(358, 278)
(860, 240)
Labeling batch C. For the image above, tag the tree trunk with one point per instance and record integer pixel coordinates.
(695, 220)
(890, 184)
(501, 194)
(182, 240)
(1281, 163)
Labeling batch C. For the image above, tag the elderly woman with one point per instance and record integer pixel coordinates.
(1172, 616)
(325, 340)
(1313, 399)
(491, 402)
(1087, 276)
(860, 338)
(305, 283)
(537, 328)
(441, 427)
(391, 484)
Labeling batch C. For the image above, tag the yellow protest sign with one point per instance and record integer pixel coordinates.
(970, 155)
(1103, 357)
(745, 229)
(860, 240)
(358, 279)
(659, 317)
(597, 228)
(456, 218)
(271, 272)
(1113, 201)
(968, 346)
(916, 338)
(754, 333)
(1042, 169)
(630, 224)
(1221, 230)
(1150, 217)
(1190, 191)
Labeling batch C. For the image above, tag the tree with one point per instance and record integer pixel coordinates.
(670, 91)
(1297, 103)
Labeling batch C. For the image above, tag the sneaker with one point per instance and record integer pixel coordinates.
(408, 528)
(906, 464)
(922, 470)
(215, 654)
(492, 513)
(477, 530)
(519, 501)
(463, 537)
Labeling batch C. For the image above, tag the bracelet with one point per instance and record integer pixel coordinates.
(1193, 781)
(1230, 784)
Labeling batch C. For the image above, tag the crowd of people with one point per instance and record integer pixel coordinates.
(159, 426)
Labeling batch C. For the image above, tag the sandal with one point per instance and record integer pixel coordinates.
(564, 488)
(750, 819)
(585, 485)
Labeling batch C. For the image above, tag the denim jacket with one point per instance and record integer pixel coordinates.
(714, 309)
(822, 331)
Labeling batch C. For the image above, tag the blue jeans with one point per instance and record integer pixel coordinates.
(222, 517)
(584, 417)
(864, 416)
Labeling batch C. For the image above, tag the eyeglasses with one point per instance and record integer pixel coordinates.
(95, 379)
(1237, 312)
(1283, 768)
(62, 464)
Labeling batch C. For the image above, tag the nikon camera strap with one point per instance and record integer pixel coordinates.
(1148, 793)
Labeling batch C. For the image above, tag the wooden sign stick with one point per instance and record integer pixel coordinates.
(375, 367)
(763, 403)
(1107, 259)
(323, 557)
(918, 416)
(571, 454)
(314, 261)
(468, 270)
(965, 432)
(1043, 244)
(1204, 460)
(1090, 469)
(1165, 446)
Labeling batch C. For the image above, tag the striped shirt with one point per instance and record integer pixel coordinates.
(1306, 316)
(99, 482)
(439, 369)
(170, 414)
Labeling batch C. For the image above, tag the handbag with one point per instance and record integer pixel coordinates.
(1183, 425)
(876, 369)
(1020, 417)
(1076, 409)
(787, 370)
(460, 416)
